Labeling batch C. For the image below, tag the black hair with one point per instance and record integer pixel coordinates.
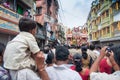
(50, 58)
(27, 24)
(84, 52)
(2, 48)
(77, 58)
(97, 47)
(92, 47)
(110, 44)
(116, 50)
(62, 53)
(46, 49)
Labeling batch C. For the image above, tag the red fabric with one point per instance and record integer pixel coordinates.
(84, 76)
(104, 67)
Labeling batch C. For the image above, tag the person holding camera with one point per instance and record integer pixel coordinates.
(114, 56)
(105, 64)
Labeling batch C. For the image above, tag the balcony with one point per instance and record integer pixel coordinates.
(99, 26)
(105, 6)
(105, 22)
(94, 29)
(95, 38)
(105, 36)
(116, 33)
(108, 35)
(9, 19)
(94, 16)
(9, 14)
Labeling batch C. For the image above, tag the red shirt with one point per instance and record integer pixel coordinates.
(104, 67)
(84, 76)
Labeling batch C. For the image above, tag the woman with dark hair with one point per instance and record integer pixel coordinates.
(50, 59)
(86, 59)
(83, 72)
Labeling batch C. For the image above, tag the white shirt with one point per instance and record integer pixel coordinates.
(17, 54)
(62, 72)
(105, 76)
(97, 52)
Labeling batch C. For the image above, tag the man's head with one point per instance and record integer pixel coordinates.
(62, 53)
(27, 25)
(91, 47)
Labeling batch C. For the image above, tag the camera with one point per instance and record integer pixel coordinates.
(109, 50)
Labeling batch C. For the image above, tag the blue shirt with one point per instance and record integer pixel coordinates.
(62, 72)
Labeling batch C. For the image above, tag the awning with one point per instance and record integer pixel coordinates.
(110, 39)
(6, 31)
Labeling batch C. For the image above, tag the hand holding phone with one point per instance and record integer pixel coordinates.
(108, 51)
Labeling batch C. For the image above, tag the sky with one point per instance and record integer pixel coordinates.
(74, 13)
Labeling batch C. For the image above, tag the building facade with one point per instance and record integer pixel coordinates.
(61, 33)
(47, 16)
(10, 13)
(77, 36)
(103, 22)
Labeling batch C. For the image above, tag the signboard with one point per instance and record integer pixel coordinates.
(9, 26)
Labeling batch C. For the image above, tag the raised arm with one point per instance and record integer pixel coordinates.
(95, 65)
(39, 59)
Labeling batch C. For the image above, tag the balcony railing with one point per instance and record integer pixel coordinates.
(105, 6)
(105, 22)
(108, 35)
(94, 29)
(9, 19)
(4, 12)
(95, 38)
(116, 33)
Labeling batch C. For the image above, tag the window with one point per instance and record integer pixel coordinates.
(108, 29)
(107, 13)
(100, 32)
(118, 5)
(19, 10)
(101, 1)
(118, 25)
(38, 10)
(104, 31)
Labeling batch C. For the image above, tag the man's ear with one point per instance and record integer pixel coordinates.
(32, 31)
(70, 57)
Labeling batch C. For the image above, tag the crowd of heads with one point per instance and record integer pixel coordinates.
(62, 52)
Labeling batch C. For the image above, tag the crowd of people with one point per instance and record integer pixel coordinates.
(22, 59)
